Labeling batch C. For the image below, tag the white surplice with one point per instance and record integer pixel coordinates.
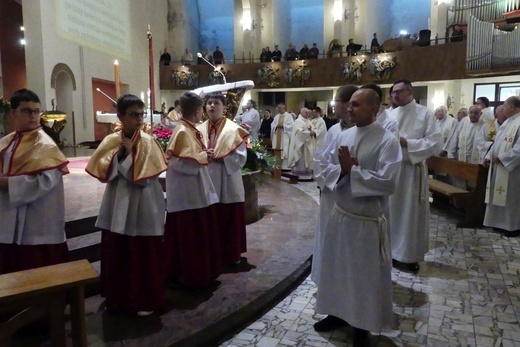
(287, 124)
(252, 118)
(385, 121)
(354, 277)
(131, 208)
(226, 175)
(32, 211)
(446, 125)
(302, 147)
(505, 217)
(409, 210)
(188, 185)
(320, 128)
(464, 144)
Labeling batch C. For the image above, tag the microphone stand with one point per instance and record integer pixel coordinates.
(213, 66)
(108, 97)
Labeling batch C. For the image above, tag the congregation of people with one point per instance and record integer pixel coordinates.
(369, 164)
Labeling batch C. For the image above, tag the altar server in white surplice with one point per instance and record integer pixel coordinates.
(464, 144)
(503, 190)
(341, 100)
(132, 213)
(281, 130)
(361, 168)
(302, 147)
(32, 203)
(445, 122)
(409, 209)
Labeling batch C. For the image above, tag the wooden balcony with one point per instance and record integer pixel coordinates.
(417, 64)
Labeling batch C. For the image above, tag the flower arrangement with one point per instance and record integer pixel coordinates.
(258, 158)
(162, 135)
(5, 106)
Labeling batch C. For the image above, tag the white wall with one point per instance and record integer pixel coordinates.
(45, 48)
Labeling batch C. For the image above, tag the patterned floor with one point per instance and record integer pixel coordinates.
(466, 294)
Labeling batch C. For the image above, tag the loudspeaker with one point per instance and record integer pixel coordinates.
(424, 37)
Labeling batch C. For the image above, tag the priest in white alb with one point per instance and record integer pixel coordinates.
(445, 122)
(361, 169)
(409, 209)
(251, 119)
(302, 146)
(488, 133)
(281, 130)
(503, 190)
(464, 144)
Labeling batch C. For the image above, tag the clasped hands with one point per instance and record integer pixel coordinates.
(210, 152)
(346, 161)
(125, 149)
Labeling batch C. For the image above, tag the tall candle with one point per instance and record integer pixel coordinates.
(117, 79)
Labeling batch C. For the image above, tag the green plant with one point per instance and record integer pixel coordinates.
(5, 106)
(259, 158)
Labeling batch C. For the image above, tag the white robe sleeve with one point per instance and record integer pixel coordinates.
(184, 166)
(288, 123)
(452, 146)
(254, 123)
(329, 170)
(382, 182)
(234, 161)
(511, 158)
(125, 169)
(25, 189)
(422, 148)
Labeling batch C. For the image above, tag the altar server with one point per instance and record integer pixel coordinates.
(132, 213)
(226, 141)
(191, 232)
(361, 169)
(341, 100)
(32, 206)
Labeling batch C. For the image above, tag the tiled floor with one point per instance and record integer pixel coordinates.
(466, 294)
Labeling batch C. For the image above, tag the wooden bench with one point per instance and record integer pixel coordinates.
(472, 201)
(40, 292)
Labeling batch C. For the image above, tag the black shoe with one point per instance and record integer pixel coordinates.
(361, 338)
(406, 267)
(514, 233)
(329, 323)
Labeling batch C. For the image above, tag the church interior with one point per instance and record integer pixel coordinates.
(80, 56)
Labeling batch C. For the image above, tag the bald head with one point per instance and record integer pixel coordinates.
(500, 115)
(512, 106)
(363, 107)
(475, 111)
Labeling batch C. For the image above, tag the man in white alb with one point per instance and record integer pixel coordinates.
(488, 133)
(463, 145)
(445, 122)
(409, 209)
(302, 146)
(503, 191)
(319, 125)
(487, 113)
(251, 117)
(361, 169)
(281, 130)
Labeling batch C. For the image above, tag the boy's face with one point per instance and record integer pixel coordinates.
(132, 119)
(214, 109)
(27, 116)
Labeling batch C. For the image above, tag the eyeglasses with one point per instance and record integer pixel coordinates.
(136, 115)
(29, 112)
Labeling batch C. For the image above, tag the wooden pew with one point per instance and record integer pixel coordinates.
(40, 292)
(472, 201)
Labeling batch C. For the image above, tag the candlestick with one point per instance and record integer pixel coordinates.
(117, 79)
